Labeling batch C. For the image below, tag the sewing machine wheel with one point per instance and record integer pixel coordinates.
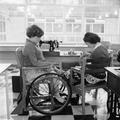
(49, 93)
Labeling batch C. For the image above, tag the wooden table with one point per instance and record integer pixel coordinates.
(3, 68)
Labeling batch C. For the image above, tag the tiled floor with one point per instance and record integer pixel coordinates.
(70, 113)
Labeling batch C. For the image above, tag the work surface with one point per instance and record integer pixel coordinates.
(114, 70)
(4, 66)
(113, 79)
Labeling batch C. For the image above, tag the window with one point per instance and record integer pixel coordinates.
(95, 27)
(64, 20)
(12, 1)
(98, 28)
(68, 27)
(92, 1)
(58, 27)
(88, 27)
(77, 28)
(48, 27)
(40, 1)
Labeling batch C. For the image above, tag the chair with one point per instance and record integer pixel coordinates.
(33, 81)
(82, 71)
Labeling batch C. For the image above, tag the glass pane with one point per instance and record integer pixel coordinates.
(97, 11)
(111, 2)
(31, 20)
(2, 26)
(2, 37)
(16, 10)
(99, 28)
(64, 2)
(68, 27)
(88, 27)
(92, 1)
(13, 1)
(48, 27)
(79, 39)
(93, 11)
(2, 18)
(40, 1)
(76, 27)
(58, 27)
(46, 11)
(68, 2)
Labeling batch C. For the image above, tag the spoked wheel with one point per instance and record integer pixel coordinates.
(49, 93)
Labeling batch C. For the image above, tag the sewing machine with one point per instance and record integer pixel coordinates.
(53, 44)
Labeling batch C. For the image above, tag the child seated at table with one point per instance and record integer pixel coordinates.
(98, 57)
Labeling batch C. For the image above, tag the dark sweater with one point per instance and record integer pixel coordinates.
(99, 59)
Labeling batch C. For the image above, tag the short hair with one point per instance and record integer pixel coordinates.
(91, 38)
(33, 31)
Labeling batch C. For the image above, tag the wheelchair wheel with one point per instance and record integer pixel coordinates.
(49, 93)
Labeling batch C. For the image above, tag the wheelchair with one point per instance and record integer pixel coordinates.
(46, 92)
(49, 92)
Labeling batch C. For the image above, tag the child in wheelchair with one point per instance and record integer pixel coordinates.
(33, 55)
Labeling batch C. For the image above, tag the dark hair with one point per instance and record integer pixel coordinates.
(91, 38)
(33, 31)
